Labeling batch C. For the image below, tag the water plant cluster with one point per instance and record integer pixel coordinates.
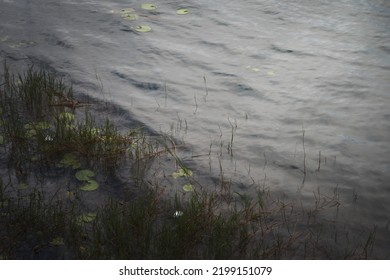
(130, 14)
(75, 186)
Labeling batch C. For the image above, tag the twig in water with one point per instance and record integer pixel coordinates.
(304, 151)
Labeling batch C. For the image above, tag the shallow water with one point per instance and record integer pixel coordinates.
(302, 85)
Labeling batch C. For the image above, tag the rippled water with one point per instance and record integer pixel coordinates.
(301, 84)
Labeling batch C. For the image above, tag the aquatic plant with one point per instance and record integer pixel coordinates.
(44, 203)
(149, 6)
(182, 11)
(142, 28)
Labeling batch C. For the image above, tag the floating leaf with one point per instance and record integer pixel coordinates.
(126, 11)
(86, 218)
(23, 44)
(34, 126)
(70, 160)
(84, 175)
(71, 195)
(148, 6)
(34, 158)
(58, 241)
(42, 125)
(188, 188)
(182, 173)
(142, 28)
(31, 133)
(254, 69)
(37, 125)
(130, 16)
(270, 73)
(95, 131)
(3, 39)
(66, 116)
(182, 11)
(90, 186)
(22, 186)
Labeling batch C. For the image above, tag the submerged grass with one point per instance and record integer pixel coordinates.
(50, 142)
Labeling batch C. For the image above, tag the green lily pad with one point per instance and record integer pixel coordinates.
(34, 158)
(37, 125)
(188, 188)
(86, 218)
(182, 11)
(149, 6)
(84, 175)
(4, 39)
(271, 73)
(182, 173)
(70, 160)
(22, 186)
(58, 241)
(70, 195)
(66, 116)
(22, 44)
(31, 133)
(90, 186)
(142, 28)
(95, 131)
(33, 127)
(130, 16)
(127, 11)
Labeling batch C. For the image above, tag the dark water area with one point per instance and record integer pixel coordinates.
(301, 85)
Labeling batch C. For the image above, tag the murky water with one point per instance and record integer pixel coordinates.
(300, 85)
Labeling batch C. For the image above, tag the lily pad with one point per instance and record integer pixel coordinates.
(254, 69)
(188, 188)
(182, 11)
(130, 16)
(182, 173)
(37, 125)
(127, 11)
(149, 6)
(66, 116)
(86, 218)
(22, 44)
(90, 186)
(31, 133)
(58, 241)
(84, 175)
(3, 39)
(70, 195)
(270, 73)
(142, 28)
(70, 160)
(22, 186)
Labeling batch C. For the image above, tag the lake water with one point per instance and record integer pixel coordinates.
(301, 85)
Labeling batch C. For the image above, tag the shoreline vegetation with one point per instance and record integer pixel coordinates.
(76, 186)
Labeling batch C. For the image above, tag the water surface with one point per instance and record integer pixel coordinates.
(301, 85)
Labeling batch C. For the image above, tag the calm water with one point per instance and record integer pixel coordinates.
(264, 70)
